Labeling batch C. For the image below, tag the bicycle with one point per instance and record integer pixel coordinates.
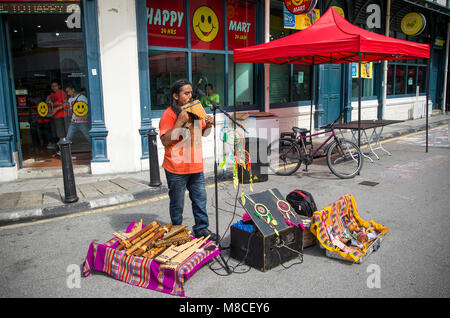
(285, 155)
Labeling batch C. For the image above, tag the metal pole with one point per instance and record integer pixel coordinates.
(267, 66)
(155, 180)
(359, 98)
(312, 100)
(426, 105)
(385, 63)
(70, 190)
(444, 90)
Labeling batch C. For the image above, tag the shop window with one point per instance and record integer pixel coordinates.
(411, 80)
(207, 24)
(210, 67)
(368, 84)
(176, 47)
(400, 79)
(390, 79)
(279, 83)
(422, 79)
(301, 83)
(244, 83)
(241, 24)
(165, 68)
(166, 23)
(47, 55)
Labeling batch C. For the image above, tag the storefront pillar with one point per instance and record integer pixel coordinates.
(319, 114)
(347, 96)
(98, 130)
(7, 164)
(144, 79)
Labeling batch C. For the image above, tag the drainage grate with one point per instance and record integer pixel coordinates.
(369, 183)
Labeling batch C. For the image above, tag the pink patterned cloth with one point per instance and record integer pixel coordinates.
(142, 271)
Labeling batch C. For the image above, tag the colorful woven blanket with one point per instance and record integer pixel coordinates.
(142, 271)
(338, 225)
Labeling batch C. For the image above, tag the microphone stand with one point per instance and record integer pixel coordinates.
(214, 109)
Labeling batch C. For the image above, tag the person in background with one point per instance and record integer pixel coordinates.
(80, 118)
(58, 102)
(209, 88)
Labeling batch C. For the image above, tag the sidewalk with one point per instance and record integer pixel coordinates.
(32, 198)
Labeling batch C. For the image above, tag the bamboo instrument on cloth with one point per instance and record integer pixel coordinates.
(141, 242)
(128, 243)
(177, 239)
(154, 251)
(125, 236)
(174, 231)
(147, 243)
(173, 250)
(181, 257)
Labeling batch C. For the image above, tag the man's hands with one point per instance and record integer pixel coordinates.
(183, 118)
(209, 121)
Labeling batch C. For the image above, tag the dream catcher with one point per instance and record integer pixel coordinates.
(263, 212)
(286, 211)
(242, 159)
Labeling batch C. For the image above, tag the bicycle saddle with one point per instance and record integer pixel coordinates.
(300, 131)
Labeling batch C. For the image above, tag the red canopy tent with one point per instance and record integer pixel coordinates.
(331, 40)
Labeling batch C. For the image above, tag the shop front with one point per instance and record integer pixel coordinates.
(44, 57)
(124, 55)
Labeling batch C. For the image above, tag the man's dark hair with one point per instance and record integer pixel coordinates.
(176, 88)
(70, 86)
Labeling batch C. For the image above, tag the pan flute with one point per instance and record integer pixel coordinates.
(195, 108)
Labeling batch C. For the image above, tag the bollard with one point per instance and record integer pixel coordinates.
(70, 190)
(155, 180)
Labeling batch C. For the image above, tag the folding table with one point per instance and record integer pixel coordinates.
(377, 129)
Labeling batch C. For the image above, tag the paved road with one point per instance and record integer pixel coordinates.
(411, 198)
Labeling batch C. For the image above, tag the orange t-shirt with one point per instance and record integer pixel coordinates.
(185, 156)
(58, 100)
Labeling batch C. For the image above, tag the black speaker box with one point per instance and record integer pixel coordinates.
(264, 252)
(257, 148)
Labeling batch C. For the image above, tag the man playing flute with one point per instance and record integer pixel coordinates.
(183, 158)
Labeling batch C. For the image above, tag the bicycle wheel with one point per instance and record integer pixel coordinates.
(344, 158)
(283, 156)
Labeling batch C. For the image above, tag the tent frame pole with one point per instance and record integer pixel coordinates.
(426, 102)
(359, 98)
(312, 101)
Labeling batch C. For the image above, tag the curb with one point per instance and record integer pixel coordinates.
(14, 216)
(30, 214)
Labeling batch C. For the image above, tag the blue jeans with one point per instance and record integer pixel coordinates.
(83, 127)
(195, 184)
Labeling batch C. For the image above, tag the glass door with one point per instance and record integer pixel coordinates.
(48, 66)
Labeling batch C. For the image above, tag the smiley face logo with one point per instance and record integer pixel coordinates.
(297, 2)
(42, 109)
(80, 109)
(205, 24)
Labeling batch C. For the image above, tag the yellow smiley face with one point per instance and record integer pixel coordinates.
(297, 2)
(80, 109)
(205, 24)
(42, 109)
